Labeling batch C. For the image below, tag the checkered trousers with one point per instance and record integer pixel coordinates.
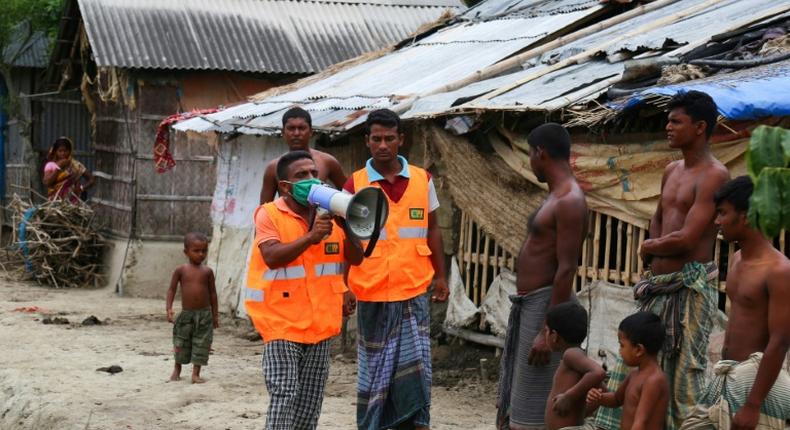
(295, 376)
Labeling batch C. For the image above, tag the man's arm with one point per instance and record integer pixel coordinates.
(212, 291)
(698, 220)
(440, 289)
(571, 218)
(171, 293)
(336, 175)
(649, 400)
(269, 186)
(277, 254)
(656, 221)
(775, 351)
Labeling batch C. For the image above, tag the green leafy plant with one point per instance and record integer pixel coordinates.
(768, 164)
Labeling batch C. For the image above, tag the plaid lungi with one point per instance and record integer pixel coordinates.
(727, 393)
(394, 356)
(295, 375)
(687, 303)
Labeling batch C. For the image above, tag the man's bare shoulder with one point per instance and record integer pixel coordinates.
(323, 156)
(716, 171)
(572, 202)
(672, 167)
(780, 267)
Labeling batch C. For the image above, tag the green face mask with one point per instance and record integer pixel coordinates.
(301, 189)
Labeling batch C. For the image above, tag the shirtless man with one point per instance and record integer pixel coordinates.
(193, 327)
(546, 266)
(680, 251)
(297, 131)
(758, 330)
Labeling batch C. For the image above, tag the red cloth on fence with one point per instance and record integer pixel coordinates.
(163, 158)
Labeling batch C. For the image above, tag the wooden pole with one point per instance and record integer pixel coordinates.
(629, 251)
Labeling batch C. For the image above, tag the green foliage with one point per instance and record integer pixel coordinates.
(43, 15)
(768, 164)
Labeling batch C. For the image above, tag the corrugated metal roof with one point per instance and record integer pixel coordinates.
(26, 48)
(443, 57)
(276, 36)
(492, 9)
(718, 18)
(415, 72)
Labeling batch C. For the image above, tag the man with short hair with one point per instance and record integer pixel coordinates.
(393, 319)
(681, 285)
(749, 387)
(546, 265)
(297, 131)
(295, 294)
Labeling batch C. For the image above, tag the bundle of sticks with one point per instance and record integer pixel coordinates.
(56, 243)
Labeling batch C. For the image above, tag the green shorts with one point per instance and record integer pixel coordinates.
(193, 332)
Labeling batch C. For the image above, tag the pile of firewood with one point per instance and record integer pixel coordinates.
(56, 243)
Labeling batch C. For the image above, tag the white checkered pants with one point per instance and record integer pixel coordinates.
(295, 375)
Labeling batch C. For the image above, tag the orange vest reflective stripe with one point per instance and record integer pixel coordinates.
(302, 302)
(400, 267)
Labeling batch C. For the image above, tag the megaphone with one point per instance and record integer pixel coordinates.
(361, 210)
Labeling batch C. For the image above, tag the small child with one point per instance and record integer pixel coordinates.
(193, 328)
(566, 328)
(644, 394)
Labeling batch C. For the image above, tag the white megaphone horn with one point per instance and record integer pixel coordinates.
(359, 210)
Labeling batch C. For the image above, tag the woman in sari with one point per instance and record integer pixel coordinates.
(64, 175)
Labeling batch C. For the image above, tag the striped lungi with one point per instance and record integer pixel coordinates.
(394, 356)
(686, 301)
(524, 388)
(727, 392)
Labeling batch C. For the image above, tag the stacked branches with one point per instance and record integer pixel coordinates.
(56, 243)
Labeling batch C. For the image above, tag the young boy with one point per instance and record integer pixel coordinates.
(566, 328)
(193, 328)
(644, 394)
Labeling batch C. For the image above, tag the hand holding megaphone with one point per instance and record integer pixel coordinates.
(365, 212)
(321, 229)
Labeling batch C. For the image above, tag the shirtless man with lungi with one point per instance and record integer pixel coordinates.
(680, 286)
(546, 266)
(749, 387)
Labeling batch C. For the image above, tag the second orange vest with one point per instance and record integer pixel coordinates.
(400, 267)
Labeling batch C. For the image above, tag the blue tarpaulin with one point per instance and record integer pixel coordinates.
(744, 95)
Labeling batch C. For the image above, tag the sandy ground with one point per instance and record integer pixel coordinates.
(48, 376)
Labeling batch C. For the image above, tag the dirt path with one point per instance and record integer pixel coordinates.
(48, 376)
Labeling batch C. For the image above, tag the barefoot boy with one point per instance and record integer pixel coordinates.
(644, 394)
(566, 328)
(193, 328)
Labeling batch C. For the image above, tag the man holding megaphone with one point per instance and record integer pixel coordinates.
(295, 293)
(394, 355)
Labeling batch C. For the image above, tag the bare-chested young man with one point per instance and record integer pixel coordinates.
(297, 131)
(546, 266)
(757, 390)
(681, 284)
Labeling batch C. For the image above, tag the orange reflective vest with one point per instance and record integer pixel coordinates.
(400, 267)
(302, 302)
